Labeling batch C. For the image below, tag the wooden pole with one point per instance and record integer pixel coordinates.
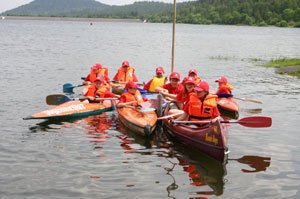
(173, 36)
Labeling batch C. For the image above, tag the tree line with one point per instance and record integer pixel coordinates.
(282, 13)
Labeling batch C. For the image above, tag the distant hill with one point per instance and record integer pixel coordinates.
(56, 8)
(281, 13)
(88, 8)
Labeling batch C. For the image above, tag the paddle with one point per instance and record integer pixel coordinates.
(169, 116)
(143, 110)
(253, 122)
(68, 87)
(242, 99)
(57, 99)
(118, 82)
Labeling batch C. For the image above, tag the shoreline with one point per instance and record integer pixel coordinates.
(72, 19)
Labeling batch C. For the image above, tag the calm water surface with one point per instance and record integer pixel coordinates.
(97, 158)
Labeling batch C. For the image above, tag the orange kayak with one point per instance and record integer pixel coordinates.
(73, 109)
(140, 122)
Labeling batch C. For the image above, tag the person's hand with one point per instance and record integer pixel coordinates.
(139, 107)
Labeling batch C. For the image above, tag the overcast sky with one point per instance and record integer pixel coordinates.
(10, 4)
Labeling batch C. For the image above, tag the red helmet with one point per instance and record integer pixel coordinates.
(193, 71)
(187, 80)
(222, 79)
(160, 69)
(125, 63)
(96, 66)
(130, 85)
(100, 78)
(202, 86)
(175, 75)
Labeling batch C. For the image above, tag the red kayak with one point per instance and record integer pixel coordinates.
(210, 139)
(228, 107)
(73, 109)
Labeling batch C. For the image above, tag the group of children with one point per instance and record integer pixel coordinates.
(192, 95)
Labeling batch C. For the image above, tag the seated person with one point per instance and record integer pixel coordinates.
(125, 74)
(131, 96)
(158, 80)
(170, 90)
(201, 105)
(99, 90)
(225, 89)
(188, 87)
(193, 73)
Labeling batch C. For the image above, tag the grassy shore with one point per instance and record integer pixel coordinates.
(286, 66)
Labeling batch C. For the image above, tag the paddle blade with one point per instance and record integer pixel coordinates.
(256, 122)
(146, 109)
(68, 88)
(57, 99)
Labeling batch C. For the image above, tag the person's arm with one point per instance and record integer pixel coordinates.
(134, 77)
(147, 86)
(183, 117)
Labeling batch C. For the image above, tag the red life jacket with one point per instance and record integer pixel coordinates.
(202, 110)
(136, 97)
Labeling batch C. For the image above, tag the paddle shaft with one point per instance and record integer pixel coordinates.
(253, 122)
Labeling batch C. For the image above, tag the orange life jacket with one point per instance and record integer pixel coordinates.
(125, 76)
(197, 80)
(136, 97)
(92, 76)
(202, 109)
(225, 89)
(101, 91)
(103, 72)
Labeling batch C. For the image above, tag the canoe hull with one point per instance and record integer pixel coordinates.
(228, 107)
(73, 109)
(141, 123)
(210, 139)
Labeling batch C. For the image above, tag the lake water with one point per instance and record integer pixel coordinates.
(97, 158)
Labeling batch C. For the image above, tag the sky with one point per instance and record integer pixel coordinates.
(10, 4)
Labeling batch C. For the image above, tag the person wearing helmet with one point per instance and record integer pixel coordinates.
(170, 90)
(225, 88)
(193, 73)
(99, 89)
(91, 77)
(201, 105)
(183, 96)
(125, 74)
(132, 94)
(158, 80)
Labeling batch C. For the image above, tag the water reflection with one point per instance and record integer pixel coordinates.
(49, 125)
(256, 162)
(203, 171)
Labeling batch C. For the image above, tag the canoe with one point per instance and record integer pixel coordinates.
(143, 123)
(228, 107)
(211, 139)
(118, 89)
(73, 109)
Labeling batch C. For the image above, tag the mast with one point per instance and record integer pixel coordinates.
(173, 36)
